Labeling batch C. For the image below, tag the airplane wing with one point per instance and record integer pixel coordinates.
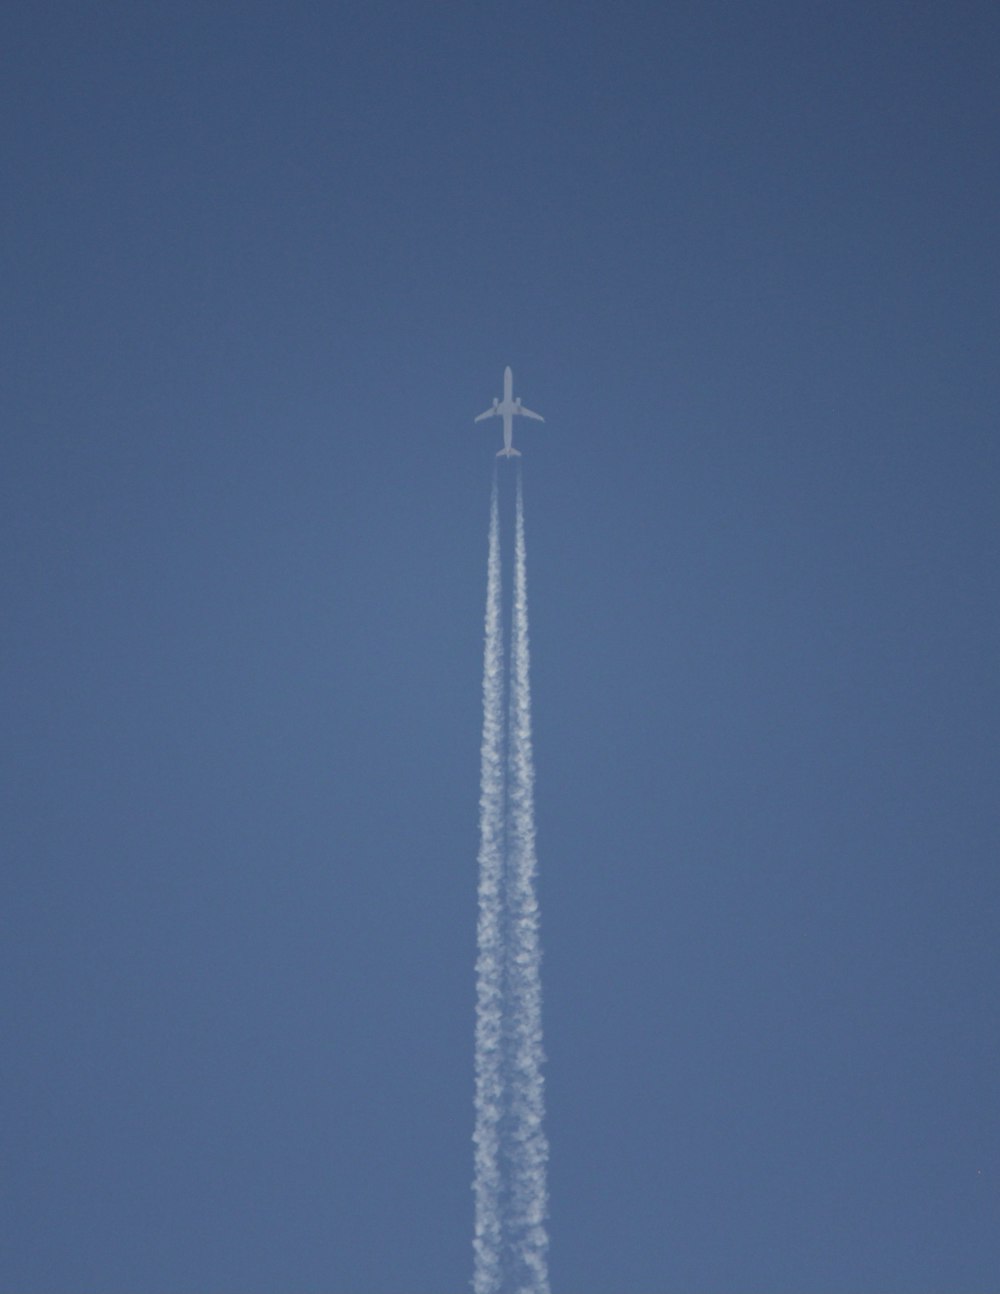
(488, 414)
(528, 414)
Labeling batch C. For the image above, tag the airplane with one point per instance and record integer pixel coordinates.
(507, 408)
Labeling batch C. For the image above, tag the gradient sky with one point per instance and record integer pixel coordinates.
(262, 264)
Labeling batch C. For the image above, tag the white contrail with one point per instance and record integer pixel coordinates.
(490, 960)
(526, 1239)
(511, 1151)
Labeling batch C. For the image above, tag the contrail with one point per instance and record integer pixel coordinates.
(511, 1150)
(490, 959)
(527, 1155)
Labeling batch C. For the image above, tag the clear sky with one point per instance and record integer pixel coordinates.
(262, 264)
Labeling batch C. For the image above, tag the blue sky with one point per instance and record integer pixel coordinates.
(262, 265)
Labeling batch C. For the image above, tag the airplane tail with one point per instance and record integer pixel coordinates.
(508, 453)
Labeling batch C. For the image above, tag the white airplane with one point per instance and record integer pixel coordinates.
(507, 408)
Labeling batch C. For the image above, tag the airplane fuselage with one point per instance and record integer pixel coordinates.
(507, 410)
